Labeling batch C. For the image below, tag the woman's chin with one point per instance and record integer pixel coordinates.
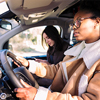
(78, 39)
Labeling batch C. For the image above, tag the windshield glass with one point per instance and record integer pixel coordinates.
(4, 8)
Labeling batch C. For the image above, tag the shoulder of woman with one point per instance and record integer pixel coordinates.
(65, 44)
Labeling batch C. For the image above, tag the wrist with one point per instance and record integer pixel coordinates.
(41, 93)
(32, 66)
(35, 92)
(28, 64)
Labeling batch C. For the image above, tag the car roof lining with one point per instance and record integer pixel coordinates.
(21, 9)
(70, 12)
(67, 13)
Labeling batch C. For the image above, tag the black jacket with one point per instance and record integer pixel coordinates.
(57, 55)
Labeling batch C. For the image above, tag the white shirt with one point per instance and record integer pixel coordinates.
(86, 48)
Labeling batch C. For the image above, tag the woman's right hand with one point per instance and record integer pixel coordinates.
(23, 61)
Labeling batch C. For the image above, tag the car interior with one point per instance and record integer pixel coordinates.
(21, 26)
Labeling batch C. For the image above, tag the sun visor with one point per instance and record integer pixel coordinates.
(28, 4)
(26, 7)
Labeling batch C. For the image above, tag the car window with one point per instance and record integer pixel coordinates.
(29, 42)
(4, 7)
(73, 40)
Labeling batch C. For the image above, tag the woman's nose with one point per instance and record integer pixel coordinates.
(46, 41)
(74, 27)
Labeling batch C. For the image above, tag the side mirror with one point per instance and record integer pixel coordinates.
(5, 24)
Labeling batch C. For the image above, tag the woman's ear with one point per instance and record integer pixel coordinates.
(98, 20)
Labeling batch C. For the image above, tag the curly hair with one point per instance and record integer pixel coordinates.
(91, 6)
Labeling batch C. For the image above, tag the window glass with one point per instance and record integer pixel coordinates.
(29, 42)
(73, 40)
(4, 7)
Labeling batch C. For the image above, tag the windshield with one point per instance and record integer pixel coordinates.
(3, 11)
(4, 8)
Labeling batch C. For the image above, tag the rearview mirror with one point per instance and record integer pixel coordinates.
(5, 24)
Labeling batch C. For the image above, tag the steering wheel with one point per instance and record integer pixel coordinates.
(18, 73)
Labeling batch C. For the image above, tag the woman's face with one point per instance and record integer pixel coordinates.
(49, 41)
(88, 29)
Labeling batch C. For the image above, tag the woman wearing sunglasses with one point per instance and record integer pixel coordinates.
(77, 77)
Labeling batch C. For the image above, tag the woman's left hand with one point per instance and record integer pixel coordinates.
(23, 61)
(27, 93)
(42, 61)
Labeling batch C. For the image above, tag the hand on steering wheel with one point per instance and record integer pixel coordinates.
(23, 61)
(18, 73)
(27, 93)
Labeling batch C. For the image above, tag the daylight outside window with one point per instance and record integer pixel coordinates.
(29, 42)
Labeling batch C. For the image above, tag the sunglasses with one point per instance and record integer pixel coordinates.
(77, 22)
